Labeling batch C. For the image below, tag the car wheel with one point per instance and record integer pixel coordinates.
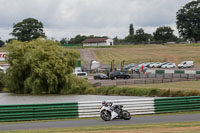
(115, 77)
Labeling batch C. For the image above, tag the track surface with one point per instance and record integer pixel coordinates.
(99, 122)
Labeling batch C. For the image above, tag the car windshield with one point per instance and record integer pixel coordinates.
(81, 74)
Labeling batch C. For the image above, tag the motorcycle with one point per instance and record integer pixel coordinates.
(109, 112)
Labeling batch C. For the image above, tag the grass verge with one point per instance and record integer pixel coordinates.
(185, 85)
(180, 127)
(136, 91)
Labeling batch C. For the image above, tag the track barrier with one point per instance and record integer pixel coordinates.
(91, 108)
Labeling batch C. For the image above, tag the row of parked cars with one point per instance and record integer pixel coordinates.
(137, 68)
(183, 64)
(160, 65)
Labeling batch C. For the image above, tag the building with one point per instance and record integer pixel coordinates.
(98, 42)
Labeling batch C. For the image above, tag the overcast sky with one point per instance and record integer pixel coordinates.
(67, 18)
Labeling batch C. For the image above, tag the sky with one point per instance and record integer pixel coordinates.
(68, 18)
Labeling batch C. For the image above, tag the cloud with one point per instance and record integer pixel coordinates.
(100, 17)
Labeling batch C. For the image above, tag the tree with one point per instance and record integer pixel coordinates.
(10, 40)
(28, 30)
(80, 38)
(117, 40)
(1, 43)
(164, 34)
(131, 29)
(129, 39)
(42, 66)
(77, 40)
(64, 41)
(188, 20)
(141, 36)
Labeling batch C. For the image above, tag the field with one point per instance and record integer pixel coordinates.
(149, 53)
(186, 85)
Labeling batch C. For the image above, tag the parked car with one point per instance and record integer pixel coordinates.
(100, 76)
(148, 64)
(119, 74)
(164, 63)
(186, 64)
(127, 67)
(154, 64)
(169, 65)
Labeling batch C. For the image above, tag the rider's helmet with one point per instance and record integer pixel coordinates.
(103, 102)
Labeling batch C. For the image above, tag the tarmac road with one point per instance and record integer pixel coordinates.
(99, 122)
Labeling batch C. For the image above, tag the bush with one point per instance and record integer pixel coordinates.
(78, 86)
(1, 79)
(123, 91)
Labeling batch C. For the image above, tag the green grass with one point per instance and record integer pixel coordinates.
(178, 127)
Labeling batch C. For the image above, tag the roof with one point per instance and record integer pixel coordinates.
(94, 40)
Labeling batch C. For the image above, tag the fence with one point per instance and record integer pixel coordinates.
(165, 76)
(92, 108)
(164, 105)
(148, 79)
(173, 72)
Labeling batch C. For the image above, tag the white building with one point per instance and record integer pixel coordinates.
(98, 42)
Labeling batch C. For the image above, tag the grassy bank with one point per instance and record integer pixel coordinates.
(186, 85)
(181, 127)
(134, 91)
(149, 53)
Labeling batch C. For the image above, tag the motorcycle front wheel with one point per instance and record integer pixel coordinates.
(105, 115)
(126, 115)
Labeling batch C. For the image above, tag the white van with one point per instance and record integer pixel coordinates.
(81, 74)
(186, 64)
(95, 65)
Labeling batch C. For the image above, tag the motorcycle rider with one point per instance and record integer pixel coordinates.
(115, 108)
(109, 112)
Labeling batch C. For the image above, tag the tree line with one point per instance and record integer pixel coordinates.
(161, 35)
(188, 25)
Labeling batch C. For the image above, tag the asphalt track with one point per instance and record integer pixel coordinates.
(99, 122)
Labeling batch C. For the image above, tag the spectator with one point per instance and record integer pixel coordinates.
(141, 69)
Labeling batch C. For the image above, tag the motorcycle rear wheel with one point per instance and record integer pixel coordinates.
(126, 115)
(105, 115)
